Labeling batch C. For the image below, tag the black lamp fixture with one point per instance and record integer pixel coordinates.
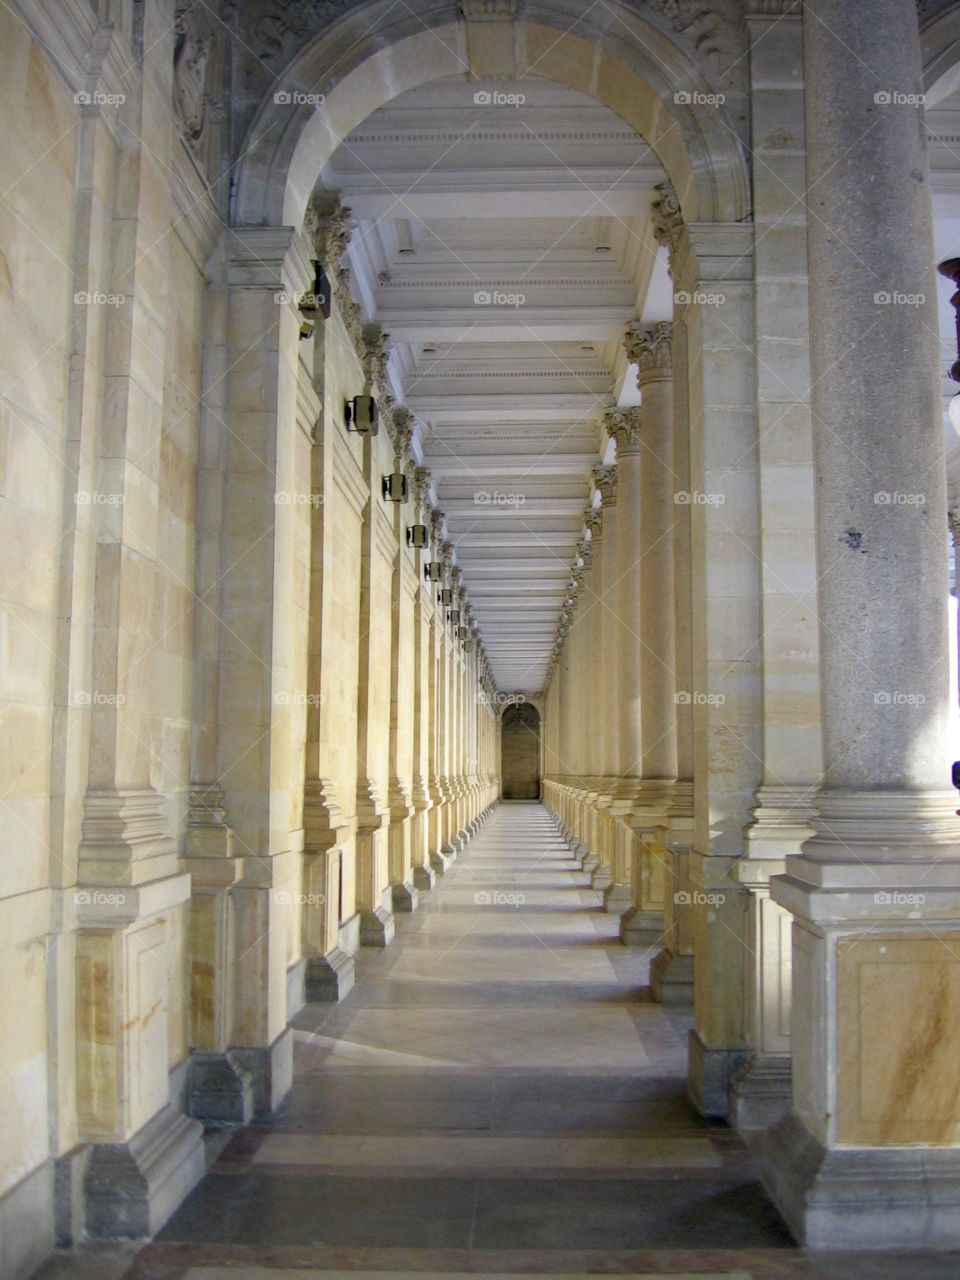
(418, 535)
(463, 633)
(453, 617)
(951, 269)
(319, 300)
(445, 595)
(395, 487)
(433, 571)
(360, 414)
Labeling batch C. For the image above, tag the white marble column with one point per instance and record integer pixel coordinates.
(868, 1155)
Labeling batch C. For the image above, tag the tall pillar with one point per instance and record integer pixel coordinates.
(423, 875)
(792, 764)
(603, 725)
(868, 1155)
(649, 815)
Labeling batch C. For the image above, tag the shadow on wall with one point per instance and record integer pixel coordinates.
(520, 752)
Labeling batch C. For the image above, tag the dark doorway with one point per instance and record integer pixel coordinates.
(520, 752)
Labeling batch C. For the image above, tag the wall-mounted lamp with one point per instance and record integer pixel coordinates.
(951, 269)
(306, 329)
(445, 595)
(360, 415)
(433, 571)
(418, 535)
(395, 487)
(319, 300)
(463, 633)
(453, 616)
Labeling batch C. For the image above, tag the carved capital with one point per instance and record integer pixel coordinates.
(666, 217)
(376, 353)
(623, 425)
(605, 479)
(329, 224)
(421, 487)
(593, 521)
(953, 524)
(437, 519)
(651, 350)
(446, 553)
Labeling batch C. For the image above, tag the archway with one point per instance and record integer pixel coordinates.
(520, 752)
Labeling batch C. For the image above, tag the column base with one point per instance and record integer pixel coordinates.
(708, 1077)
(641, 928)
(424, 879)
(27, 1222)
(590, 863)
(132, 1188)
(440, 861)
(271, 1070)
(761, 1091)
(861, 1197)
(327, 979)
(617, 899)
(219, 1090)
(602, 878)
(404, 897)
(376, 927)
(671, 979)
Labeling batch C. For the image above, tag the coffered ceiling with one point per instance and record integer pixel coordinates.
(504, 246)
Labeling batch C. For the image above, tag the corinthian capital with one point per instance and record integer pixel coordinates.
(329, 224)
(605, 478)
(666, 217)
(651, 350)
(623, 425)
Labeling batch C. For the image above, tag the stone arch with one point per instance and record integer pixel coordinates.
(940, 49)
(626, 62)
(520, 738)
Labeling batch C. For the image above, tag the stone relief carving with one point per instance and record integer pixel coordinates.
(191, 57)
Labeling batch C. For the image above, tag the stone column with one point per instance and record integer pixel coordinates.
(424, 876)
(792, 763)
(128, 906)
(603, 762)
(649, 815)
(868, 1157)
(710, 260)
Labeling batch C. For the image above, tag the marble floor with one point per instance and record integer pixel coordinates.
(498, 1097)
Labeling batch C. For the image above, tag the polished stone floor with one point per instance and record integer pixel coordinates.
(497, 1097)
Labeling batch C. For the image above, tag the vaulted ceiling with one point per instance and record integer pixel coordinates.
(504, 247)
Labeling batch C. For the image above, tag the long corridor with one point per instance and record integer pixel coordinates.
(497, 1096)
